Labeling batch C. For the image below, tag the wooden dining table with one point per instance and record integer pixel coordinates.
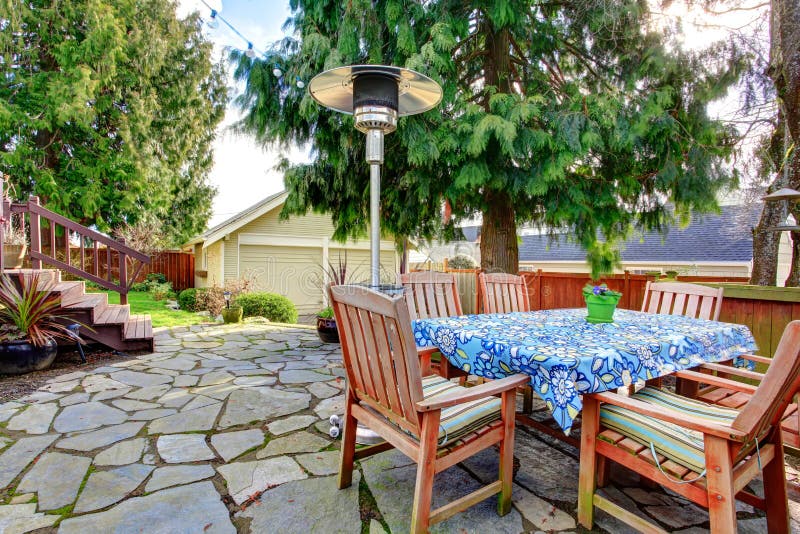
(566, 356)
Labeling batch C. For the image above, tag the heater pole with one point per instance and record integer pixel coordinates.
(375, 222)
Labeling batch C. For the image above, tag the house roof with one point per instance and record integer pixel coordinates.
(212, 235)
(709, 237)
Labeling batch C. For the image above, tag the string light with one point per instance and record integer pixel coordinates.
(213, 23)
(251, 51)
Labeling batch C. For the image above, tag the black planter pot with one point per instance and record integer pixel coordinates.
(327, 331)
(19, 357)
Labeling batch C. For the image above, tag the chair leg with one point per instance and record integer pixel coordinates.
(527, 399)
(426, 469)
(508, 407)
(719, 477)
(588, 461)
(775, 489)
(348, 444)
(603, 471)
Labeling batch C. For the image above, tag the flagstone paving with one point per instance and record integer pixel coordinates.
(225, 429)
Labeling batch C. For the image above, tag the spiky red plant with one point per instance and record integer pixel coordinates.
(30, 313)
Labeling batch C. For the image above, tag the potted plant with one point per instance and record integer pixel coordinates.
(326, 322)
(29, 325)
(601, 303)
(326, 326)
(231, 314)
(15, 245)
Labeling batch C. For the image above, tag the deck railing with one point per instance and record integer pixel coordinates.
(99, 258)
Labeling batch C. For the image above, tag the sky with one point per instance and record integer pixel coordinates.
(243, 171)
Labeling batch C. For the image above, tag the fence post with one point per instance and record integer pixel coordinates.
(538, 289)
(123, 274)
(478, 296)
(627, 289)
(36, 234)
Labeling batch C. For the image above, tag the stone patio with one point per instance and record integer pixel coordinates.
(225, 429)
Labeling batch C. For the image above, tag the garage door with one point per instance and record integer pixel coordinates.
(358, 263)
(294, 272)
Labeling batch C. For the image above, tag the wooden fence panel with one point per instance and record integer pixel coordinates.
(178, 267)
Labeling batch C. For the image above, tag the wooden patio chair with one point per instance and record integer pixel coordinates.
(680, 298)
(507, 293)
(433, 421)
(503, 293)
(705, 453)
(705, 303)
(431, 294)
(721, 395)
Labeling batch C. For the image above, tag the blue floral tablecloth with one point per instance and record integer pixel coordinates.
(567, 356)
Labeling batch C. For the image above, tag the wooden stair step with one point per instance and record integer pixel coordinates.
(87, 300)
(138, 327)
(68, 290)
(114, 314)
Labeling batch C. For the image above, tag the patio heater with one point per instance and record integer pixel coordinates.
(786, 196)
(376, 95)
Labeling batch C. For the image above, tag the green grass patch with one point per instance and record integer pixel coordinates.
(143, 302)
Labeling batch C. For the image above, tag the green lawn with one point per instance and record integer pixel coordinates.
(142, 302)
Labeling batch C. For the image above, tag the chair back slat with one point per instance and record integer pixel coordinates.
(430, 295)
(503, 293)
(376, 344)
(666, 303)
(778, 387)
(379, 353)
(386, 366)
(680, 298)
(679, 306)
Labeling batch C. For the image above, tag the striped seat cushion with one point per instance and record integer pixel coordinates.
(681, 445)
(462, 419)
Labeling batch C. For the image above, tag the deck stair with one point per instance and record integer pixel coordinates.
(112, 324)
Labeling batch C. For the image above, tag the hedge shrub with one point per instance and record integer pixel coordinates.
(187, 299)
(274, 307)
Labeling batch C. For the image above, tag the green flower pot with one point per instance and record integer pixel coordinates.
(601, 308)
(232, 314)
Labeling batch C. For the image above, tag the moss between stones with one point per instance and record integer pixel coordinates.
(367, 505)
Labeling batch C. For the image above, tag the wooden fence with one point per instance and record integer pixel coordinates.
(178, 267)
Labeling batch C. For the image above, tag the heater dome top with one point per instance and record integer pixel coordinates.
(416, 93)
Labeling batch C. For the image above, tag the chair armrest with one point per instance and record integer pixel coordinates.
(717, 381)
(756, 358)
(672, 416)
(731, 370)
(422, 351)
(487, 389)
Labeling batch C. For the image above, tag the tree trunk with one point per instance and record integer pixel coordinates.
(765, 246)
(784, 70)
(499, 250)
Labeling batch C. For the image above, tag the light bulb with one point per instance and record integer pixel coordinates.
(250, 52)
(277, 72)
(213, 23)
(300, 83)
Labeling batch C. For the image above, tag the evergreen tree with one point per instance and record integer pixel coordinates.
(108, 110)
(575, 116)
